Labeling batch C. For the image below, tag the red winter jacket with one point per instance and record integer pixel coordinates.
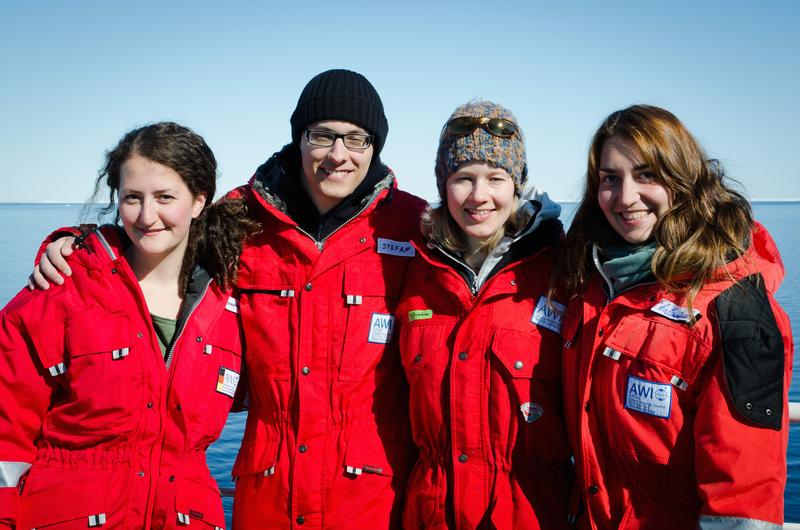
(484, 371)
(95, 430)
(679, 425)
(327, 442)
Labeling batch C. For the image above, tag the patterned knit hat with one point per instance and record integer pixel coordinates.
(481, 145)
(340, 95)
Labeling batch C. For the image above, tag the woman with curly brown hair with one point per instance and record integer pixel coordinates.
(114, 384)
(677, 359)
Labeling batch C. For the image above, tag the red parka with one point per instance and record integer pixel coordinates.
(327, 442)
(484, 370)
(680, 425)
(95, 430)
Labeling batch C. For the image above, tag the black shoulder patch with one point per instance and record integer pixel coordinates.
(752, 351)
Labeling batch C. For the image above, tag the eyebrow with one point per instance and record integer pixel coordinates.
(351, 131)
(640, 167)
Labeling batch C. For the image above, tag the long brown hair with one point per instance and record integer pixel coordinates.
(216, 236)
(707, 224)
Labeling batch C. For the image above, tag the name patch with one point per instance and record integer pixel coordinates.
(420, 314)
(232, 305)
(396, 248)
(548, 317)
(672, 311)
(648, 397)
(531, 411)
(381, 328)
(227, 381)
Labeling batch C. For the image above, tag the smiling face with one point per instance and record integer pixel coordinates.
(156, 208)
(480, 198)
(332, 173)
(629, 193)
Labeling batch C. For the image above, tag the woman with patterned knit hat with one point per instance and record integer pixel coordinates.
(479, 343)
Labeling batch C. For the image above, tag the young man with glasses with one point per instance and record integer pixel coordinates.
(327, 442)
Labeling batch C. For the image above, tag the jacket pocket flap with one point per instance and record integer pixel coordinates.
(199, 502)
(97, 334)
(265, 279)
(64, 502)
(366, 454)
(256, 458)
(522, 354)
(670, 347)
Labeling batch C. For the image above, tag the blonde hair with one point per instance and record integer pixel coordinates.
(707, 224)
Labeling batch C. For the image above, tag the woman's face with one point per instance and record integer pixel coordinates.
(480, 198)
(156, 207)
(630, 194)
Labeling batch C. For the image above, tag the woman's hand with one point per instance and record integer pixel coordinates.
(52, 265)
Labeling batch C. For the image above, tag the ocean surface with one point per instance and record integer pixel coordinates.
(23, 226)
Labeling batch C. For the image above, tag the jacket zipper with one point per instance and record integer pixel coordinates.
(320, 244)
(168, 356)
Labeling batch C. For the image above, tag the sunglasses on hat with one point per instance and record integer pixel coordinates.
(495, 126)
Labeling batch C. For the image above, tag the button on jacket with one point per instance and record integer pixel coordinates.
(327, 442)
(483, 365)
(679, 425)
(96, 430)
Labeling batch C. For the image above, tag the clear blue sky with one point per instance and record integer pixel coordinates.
(76, 75)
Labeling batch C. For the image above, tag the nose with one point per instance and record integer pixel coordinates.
(338, 152)
(479, 190)
(628, 192)
(147, 213)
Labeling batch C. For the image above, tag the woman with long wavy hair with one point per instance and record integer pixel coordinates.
(677, 358)
(113, 385)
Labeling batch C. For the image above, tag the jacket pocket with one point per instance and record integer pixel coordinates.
(211, 380)
(100, 372)
(256, 458)
(201, 503)
(266, 305)
(64, 505)
(370, 290)
(658, 351)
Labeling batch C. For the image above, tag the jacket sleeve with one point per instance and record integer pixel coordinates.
(25, 393)
(742, 427)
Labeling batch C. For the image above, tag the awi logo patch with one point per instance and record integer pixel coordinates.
(648, 397)
(548, 317)
(381, 328)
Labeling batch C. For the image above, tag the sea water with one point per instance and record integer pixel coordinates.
(23, 226)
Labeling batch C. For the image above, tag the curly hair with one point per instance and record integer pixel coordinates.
(707, 224)
(217, 234)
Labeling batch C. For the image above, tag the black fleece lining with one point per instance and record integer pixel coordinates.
(752, 351)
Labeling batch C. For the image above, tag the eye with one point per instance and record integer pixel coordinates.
(648, 176)
(130, 198)
(165, 197)
(608, 179)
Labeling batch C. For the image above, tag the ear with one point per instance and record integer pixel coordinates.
(198, 205)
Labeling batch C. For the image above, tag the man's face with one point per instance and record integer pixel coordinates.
(332, 173)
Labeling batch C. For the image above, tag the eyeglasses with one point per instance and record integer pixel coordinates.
(328, 138)
(494, 126)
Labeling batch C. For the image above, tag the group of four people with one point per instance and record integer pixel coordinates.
(457, 366)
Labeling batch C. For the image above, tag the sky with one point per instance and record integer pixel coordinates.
(76, 75)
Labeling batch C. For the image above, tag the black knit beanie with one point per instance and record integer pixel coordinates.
(340, 95)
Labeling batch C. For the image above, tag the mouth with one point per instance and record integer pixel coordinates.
(149, 232)
(478, 214)
(632, 217)
(335, 173)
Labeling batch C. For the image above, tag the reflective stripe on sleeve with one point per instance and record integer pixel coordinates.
(10, 473)
(717, 522)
